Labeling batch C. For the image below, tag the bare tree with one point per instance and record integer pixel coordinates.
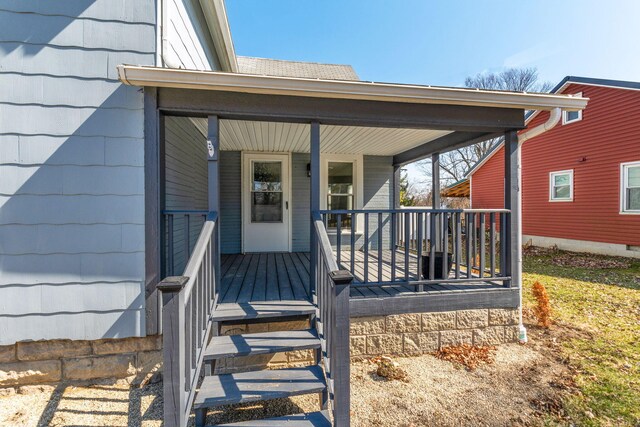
(455, 164)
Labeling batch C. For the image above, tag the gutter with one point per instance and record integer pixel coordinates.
(358, 90)
(554, 118)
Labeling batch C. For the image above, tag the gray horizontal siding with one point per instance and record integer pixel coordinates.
(185, 173)
(300, 202)
(71, 161)
(230, 202)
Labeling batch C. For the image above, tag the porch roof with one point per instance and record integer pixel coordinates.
(341, 89)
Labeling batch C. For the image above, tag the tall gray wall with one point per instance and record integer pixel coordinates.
(71, 162)
(185, 186)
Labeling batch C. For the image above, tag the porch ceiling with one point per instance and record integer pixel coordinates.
(245, 135)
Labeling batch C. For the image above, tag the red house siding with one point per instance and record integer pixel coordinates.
(607, 135)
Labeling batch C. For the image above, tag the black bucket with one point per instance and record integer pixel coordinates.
(438, 273)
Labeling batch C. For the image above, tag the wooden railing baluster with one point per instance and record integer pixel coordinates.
(419, 236)
(188, 302)
(380, 232)
(333, 325)
(492, 238)
(481, 248)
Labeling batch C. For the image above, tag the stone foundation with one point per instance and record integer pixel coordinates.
(131, 360)
(138, 360)
(418, 333)
(262, 361)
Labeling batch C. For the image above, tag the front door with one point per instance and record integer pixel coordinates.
(266, 203)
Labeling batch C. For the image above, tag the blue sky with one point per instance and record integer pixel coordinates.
(442, 42)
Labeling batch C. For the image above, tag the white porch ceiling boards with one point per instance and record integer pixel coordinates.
(278, 137)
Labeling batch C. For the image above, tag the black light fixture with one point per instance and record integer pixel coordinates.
(309, 170)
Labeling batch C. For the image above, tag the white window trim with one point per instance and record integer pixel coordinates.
(623, 187)
(357, 160)
(565, 120)
(551, 185)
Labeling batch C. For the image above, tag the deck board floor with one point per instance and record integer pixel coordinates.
(285, 276)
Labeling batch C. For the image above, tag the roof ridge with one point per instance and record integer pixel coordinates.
(297, 62)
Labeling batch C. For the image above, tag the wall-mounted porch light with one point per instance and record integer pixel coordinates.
(309, 170)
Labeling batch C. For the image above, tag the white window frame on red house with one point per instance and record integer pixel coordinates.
(624, 186)
(565, 114)
(552, 186)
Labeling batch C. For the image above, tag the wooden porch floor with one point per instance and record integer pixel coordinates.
(285, 276)
(264, 277)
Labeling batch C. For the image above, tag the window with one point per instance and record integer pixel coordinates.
(266, 192)
(572, 116)
(561, 186)
(340, 183)
(630, 186)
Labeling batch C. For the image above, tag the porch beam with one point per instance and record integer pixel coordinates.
(443, 144)
(337, 111)
(315, 197)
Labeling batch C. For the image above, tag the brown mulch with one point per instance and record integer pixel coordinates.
(579, 260)
(469, 356)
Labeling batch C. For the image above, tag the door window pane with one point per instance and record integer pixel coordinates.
(266, 192)
(340, 192)
(266, 207)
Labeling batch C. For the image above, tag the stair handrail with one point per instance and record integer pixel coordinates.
(332, 318)
(187, 304)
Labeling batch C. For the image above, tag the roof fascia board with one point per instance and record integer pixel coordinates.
(234, 82)
(215, 14)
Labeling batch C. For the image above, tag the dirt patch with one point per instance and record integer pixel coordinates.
(520, 388)
(522, 385)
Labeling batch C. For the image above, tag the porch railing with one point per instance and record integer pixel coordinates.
(181, 228)
(332, 316)
(384, 247)
(188, 302)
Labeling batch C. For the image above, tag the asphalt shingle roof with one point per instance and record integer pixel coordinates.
(280, 68)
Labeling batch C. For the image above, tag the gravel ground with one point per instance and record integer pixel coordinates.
(516, 390)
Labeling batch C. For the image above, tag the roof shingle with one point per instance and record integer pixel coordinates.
(280, 68)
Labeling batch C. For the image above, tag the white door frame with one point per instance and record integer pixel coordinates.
(248, 156)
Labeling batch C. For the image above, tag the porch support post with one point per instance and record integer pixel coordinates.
(513, 201)
(213, 156)
(435, 181)
(435, 197)
(315, 198)
(396, 186)
(213, 150)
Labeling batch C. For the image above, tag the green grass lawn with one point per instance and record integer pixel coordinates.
(598, 311)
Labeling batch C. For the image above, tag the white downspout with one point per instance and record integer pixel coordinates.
(554, 118)
(168, 60)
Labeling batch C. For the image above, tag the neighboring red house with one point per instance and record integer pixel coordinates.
(581, 179)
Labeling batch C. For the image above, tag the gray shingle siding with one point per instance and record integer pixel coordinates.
(72, 167)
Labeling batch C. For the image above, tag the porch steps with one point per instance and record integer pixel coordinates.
(262, 310)
(260, 343)
(313, 419)
(228, 389)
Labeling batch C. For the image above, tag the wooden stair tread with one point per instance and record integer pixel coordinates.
(260, 343)
(256, 386)
(262, 309)
(312, 419)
